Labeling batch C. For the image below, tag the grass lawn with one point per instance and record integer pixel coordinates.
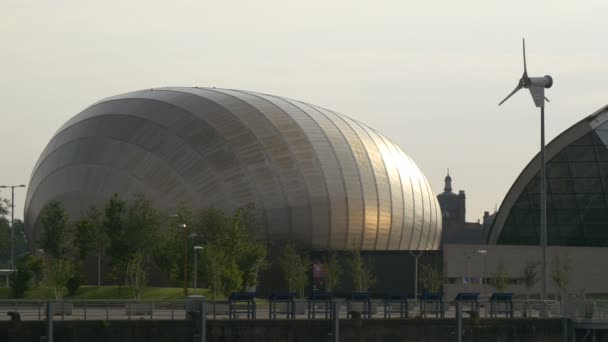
(108, 292)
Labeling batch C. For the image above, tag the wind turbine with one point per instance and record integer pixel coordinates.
(537, 86)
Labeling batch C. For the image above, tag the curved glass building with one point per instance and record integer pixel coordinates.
(577, 191)
(317, 177)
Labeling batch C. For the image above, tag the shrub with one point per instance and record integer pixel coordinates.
(432, 278)
(20, 281)
(500, 280)
(73, 285)
(35, 265)
(59, 273)
(295, 269)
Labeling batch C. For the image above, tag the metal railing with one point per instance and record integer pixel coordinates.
(582, 308)
(296, 309)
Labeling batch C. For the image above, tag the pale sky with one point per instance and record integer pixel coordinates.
(428, 74)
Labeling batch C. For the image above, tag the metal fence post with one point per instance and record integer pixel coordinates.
(336, 314)
(85, 310)
(107, 312)
(203, 321)
(49, 318)
(459, 320)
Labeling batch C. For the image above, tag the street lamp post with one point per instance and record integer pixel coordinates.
(185, 230)
(196, 248)
(468, 255)
(416, 255)
(483, 275)
(12, 220)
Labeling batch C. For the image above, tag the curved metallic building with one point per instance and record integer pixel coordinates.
(577, 191)
(317, 176)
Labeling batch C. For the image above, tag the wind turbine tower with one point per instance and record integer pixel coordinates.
(536, 86)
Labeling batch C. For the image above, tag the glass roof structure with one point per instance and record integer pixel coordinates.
(577, 191)
(316, 176)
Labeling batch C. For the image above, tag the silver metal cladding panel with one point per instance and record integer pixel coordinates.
(331, 152)
(317, 177)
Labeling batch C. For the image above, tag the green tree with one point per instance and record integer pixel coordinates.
(35, 265)
(560, 272)
(168, 253)
(91, 238)
(20, 281)
(221, 271)
(60, 271)
(55, 237)
(242, 254)
(136, 274)
(431, 278)
(142, 224)
(211, 225)
(334, 271)
(250, 219)
(21, 247)
(500, 281)
(233, 254)
(131, 227)
(361, 271)
(5, 238)
(114, 225)
(251, 254)
(295, 269)
(214, 262)
(73, 284)
(530, 275)
(5, 205)
(21, 243)
(28, 274)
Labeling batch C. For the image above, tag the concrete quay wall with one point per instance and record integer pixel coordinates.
(402, 330)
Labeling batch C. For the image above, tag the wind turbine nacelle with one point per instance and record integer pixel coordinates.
(545, 81)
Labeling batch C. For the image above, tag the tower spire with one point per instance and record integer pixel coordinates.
(448, 183)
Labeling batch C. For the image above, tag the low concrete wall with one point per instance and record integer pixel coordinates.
(587, 269)
(402, 330)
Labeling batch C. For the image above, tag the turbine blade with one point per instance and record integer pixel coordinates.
(508, 96)
(525, 66)
(546, 99)
(538, 95)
